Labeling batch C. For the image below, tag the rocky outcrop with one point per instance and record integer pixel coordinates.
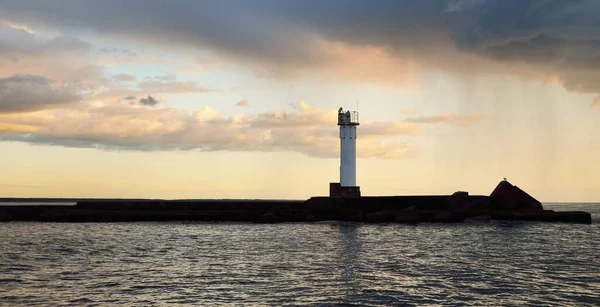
(509, 197)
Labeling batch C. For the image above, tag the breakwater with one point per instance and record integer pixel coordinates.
(507, 202)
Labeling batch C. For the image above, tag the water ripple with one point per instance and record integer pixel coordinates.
(318, 264)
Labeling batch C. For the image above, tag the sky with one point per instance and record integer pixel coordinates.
(238, 99)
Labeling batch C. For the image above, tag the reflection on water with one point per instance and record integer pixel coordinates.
(141, 264)
(349, 255)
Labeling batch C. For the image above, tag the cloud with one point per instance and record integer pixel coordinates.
(116, 56)
(20, 93)
(387, 42)
(124, 78)
(382, 128)
(146, 91)
(70, 73)
(67, 44)
(173, 87)
(449, 119)
(113, 91)
(63, 59)
(242, 103)
(201, 65)
(17, 26)
(19, 43)
(117, 52)
(149, 101)
(124, 126)
(138, 59)
(276, 39)
(555, 37)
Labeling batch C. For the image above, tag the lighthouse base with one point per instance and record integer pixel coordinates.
(338, 191)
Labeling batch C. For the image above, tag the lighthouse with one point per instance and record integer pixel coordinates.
(348, 122)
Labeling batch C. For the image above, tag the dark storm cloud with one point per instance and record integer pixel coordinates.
(23, 93)
(149, 101)
(542, 23)
(227, 26)
(558, 37)
(67, 43)
(553, 36)
(266, 32)
(17, 43)
(494, 21)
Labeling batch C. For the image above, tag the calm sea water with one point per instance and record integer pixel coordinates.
(159, 264)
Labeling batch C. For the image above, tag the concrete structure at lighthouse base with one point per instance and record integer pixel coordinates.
(336, 190)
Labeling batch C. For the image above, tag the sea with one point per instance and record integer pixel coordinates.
(495, 263)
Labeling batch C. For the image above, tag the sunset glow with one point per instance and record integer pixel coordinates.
(193, 99)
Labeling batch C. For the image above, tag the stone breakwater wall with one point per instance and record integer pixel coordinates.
(507, 202)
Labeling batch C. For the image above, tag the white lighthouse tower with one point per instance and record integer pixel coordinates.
(348, 121)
